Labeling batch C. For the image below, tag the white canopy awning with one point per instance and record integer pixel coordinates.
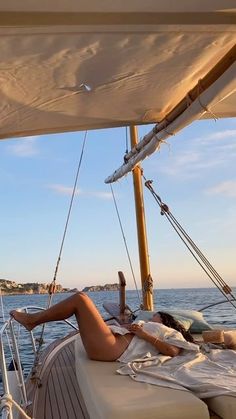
(71, 65)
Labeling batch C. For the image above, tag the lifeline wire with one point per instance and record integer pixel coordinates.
(8, 341)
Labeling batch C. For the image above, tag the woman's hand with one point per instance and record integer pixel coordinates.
(163, 347)
(137, 330)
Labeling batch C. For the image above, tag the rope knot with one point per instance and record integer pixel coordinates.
(6, 401)
(52, 288)
(164, 208)
(148, 183)
(148, 284)
(226, 288)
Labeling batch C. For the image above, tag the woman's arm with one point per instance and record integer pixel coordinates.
(163, 347)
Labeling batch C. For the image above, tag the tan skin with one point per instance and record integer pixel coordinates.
(98, 340)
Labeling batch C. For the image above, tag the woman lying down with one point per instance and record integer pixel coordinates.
(109, 343)
(184, 365)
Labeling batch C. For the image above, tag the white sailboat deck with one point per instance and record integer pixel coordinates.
(64, 387)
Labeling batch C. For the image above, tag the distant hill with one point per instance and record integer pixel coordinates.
(106, 287)
(11, 287)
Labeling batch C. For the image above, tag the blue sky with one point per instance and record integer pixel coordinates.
(194, 173)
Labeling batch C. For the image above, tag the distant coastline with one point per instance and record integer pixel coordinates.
(106, 287)
(13, 288)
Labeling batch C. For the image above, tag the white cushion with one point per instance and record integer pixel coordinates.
(224, 406)
(147, 316)
(190, 319)
(111, 396)
(199, 323)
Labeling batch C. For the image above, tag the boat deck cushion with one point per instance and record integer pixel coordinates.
(109, 395)
(224, 406)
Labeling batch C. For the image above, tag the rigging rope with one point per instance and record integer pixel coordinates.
(70, 207)
(52, 286)
(210, 271)
(126, 140)
(126, 246)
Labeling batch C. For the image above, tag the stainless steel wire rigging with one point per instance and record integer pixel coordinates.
(210, 271)
(126, 246)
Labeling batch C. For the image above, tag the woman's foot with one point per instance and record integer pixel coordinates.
(23, 318)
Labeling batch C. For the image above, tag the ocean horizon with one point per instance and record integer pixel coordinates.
(185, 298)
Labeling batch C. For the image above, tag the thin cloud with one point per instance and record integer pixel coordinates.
(24, 147)
(215, 136)
(215, 150)
(227, 188)
(100, 195)
(68, 190)
(214, 154)
(177, 165)
(63, 190)
(187, 158)
(190, 164)
(229, 147)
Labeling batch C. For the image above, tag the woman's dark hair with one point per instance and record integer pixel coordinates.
(170, 321)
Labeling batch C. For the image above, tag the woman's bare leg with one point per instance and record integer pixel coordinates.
(98, 340)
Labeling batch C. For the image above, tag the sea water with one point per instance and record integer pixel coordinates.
(188, 298)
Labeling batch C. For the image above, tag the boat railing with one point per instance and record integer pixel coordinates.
(215, 304)
(6, 401)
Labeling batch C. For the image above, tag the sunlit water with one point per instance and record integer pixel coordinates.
(193, 299)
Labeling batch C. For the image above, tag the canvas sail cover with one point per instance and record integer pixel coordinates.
(73, 65)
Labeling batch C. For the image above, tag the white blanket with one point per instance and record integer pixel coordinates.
(206, 372)
(139, 348)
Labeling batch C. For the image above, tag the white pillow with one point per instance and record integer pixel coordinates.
(147, 316)
(199, 323)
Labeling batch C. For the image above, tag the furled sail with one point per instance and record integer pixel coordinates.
(205, 102)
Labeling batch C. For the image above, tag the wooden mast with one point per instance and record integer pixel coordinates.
(146, 279)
